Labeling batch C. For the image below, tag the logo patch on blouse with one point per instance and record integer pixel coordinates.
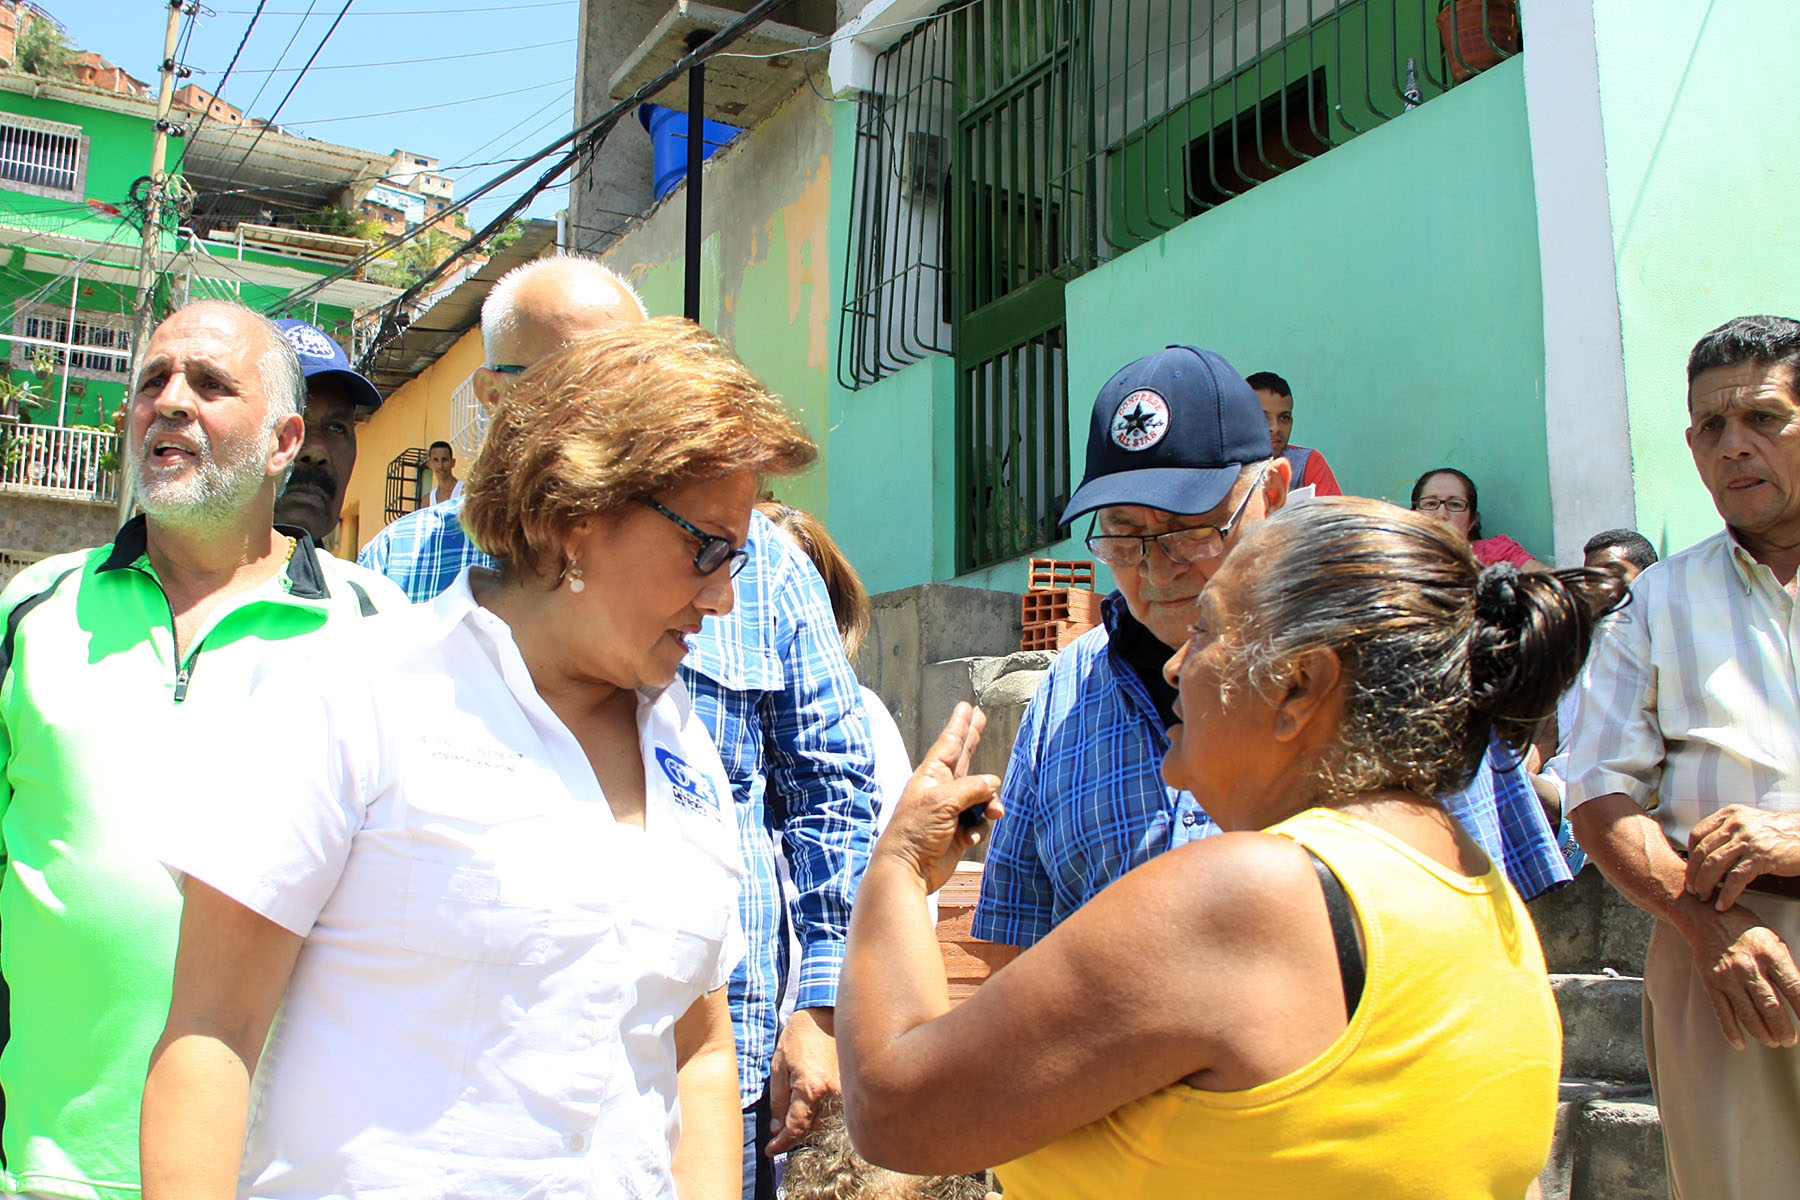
(692, 789)
(1140, 421)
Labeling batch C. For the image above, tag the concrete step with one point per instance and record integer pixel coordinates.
(1603, 1027)
(1608, 1144)
(1586, 926)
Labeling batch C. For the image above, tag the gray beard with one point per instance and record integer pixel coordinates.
(219, 488)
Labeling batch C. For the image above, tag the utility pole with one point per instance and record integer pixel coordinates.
(151, 235)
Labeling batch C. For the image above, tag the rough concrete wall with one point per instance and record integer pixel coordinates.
(765, 255)
(613, 186)
(927, 648)
(37, 526)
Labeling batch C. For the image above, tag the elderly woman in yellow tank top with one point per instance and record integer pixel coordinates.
(1340, 996)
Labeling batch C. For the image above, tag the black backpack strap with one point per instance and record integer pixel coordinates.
(1343, 933)
(362, 598)
(20, 611)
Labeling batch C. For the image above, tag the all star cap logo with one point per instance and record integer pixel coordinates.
(310, 343)
(1140, 421)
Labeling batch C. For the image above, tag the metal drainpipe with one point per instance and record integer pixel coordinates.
(696, 157)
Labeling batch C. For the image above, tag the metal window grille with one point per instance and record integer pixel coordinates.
(468, 420)
(405, 489)
(42, 157)
(1077, 130)
(92, 347)
(896, 304)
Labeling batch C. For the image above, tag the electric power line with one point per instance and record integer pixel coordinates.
(400, 112)
(539, 128)
(586, 138)
(504, 132)
(292, 38)
(225, 78)
(416, 12)
(309, 184)
(413, 62)
(317, 50)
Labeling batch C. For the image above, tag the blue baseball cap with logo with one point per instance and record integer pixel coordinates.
(322, 357)
(1170, 431)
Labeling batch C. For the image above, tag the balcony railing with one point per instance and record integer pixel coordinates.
(52, 460)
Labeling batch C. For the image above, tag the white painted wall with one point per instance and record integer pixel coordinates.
(1585, 414)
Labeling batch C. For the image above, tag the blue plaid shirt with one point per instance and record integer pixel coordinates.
(1085, 799)
(424, 551)
(771, 682)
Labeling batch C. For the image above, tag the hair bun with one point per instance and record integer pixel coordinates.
(1497, 597)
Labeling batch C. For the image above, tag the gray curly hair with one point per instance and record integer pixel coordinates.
(1435, 651)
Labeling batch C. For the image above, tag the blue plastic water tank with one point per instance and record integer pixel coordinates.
(669, 142)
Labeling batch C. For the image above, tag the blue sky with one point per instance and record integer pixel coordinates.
(497, 80)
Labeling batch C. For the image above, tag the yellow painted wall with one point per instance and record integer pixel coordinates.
(415, 415)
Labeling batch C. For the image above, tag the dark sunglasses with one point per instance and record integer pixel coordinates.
(714, 551)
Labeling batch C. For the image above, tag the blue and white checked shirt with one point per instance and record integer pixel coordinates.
(771, 682)
(424, 551)
(1085, 799)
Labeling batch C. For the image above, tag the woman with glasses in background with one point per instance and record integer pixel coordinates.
(485, 891)
(1449, 495)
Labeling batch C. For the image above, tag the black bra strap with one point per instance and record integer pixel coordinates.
(1343, 932)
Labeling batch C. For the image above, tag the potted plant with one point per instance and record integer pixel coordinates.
(1478, 34)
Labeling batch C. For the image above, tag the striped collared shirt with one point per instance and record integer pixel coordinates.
(1690, 700)
(771, 683)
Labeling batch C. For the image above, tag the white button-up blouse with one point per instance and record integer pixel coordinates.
(485, 999)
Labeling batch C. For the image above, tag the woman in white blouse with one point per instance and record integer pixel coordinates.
(470, 873)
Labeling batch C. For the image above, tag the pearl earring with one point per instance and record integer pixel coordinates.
(573, 575)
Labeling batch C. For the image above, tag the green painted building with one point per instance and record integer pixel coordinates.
(73, 162)
(1477, 234)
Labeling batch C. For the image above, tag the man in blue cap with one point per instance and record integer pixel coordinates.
(1179, 463)
(335, 397)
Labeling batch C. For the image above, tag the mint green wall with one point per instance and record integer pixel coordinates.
(118, 153)
(881, 512)
(1394, 281)
(1703, 172)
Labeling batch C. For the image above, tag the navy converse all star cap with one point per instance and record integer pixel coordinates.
(320, 356)
(1170, 431)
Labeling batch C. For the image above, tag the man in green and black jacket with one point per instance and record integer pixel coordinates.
(111, 659)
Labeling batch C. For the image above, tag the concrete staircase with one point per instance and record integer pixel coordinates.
(1608, 1136)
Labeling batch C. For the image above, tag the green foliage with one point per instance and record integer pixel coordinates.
(515, 229)
(108, 461)
(18, 398)
(43, 49)
(341, 222)
(413, 261)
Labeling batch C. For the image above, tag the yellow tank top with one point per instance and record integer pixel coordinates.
(1442, 1087)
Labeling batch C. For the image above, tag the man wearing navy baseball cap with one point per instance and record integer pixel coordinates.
(1179, 463)
(335, 396)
